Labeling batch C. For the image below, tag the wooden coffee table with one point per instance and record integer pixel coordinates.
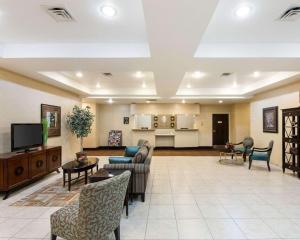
(103, 174)
(78, 167)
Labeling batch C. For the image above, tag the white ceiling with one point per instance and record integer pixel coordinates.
(166, 40)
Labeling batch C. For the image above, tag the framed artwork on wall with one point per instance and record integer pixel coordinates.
(53, 116)
(126, 120)
(270, 120)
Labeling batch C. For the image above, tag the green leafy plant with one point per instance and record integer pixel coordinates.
(45, 130)
(80, 122)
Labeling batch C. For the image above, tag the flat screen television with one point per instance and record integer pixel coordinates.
(25, 136)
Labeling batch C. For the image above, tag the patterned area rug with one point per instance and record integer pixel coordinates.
(52, 195)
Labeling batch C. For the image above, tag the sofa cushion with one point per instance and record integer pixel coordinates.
(141, 155)
(130, 151)
(113, 160)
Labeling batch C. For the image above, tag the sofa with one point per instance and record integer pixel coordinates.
(140, 171)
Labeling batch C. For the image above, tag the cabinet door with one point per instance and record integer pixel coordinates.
(53, 159)
(18, 170)
(38, 164)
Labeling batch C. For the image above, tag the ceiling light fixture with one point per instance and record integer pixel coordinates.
(234, 85)
(98, 85)
(144, 85)
(79, 74)
(188, 86)
(110, 101)
(256, 74)
(197, 74)
(139, 74)
(147, 101)
(108, 11)
(220, 101)
(183, 101)
(243, 11)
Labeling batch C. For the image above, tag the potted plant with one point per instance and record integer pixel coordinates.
(80, 122)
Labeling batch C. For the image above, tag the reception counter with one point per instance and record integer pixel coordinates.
(167, 137)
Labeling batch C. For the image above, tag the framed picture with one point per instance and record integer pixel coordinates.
(53, 116)
(126, 120)
(270, 120)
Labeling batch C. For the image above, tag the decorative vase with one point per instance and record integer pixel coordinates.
(45, 131)
(81, 155)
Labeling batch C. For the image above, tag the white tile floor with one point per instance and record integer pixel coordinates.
(188, 198)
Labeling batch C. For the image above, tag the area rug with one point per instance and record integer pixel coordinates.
(52, 195)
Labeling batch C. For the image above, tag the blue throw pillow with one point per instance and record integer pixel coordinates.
(113, 160)
(131, 151)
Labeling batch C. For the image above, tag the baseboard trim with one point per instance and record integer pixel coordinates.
(156, 148)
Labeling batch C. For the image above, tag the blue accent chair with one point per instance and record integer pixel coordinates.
(261, 154)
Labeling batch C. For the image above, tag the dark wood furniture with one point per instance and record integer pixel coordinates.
(291, 139)
(104, 174)
(78, 167)
(19, 169)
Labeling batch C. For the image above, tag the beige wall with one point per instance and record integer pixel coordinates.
(284, 97)
(110, 117)
(22, 104)
(240, 121)
(92, 140)
(204, 122)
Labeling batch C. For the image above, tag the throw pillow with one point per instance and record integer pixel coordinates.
(141, 155)
(131, 151)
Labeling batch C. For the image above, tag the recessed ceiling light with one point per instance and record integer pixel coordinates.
(256, 74)
(79, 74)
(198, 74)
(147, 101)
(188, 85)
(220, 101)
(183, 101)
(144, 85)
(98, 85)
(243, 11)
(139, 74)
(108, 11)
(110, 101)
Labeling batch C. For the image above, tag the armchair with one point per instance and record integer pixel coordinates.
(243, 147)
(98, 213)
(261, 154)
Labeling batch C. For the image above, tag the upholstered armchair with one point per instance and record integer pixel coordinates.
(140, 171)
(261, 154)
(243, 147)
(97, 214)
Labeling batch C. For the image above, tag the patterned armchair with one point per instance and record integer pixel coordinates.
(140, 171)
(243, 147)
(261, 154)
(98, 213)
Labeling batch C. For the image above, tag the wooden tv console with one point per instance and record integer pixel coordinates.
(19, 169)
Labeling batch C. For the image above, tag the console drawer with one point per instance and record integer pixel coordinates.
(17, 170)
(38, 164)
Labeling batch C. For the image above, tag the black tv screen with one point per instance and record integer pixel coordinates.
(26, 136)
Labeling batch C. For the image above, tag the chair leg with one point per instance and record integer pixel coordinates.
(268, 163)
(117, 233)
(250, 163)
(143, 197)
(53, 237)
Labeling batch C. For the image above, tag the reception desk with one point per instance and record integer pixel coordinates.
(178, 138)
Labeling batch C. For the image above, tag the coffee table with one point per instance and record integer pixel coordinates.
(78, 167)
(103, 174)
(231, 158)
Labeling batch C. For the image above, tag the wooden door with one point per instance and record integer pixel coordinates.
(220, 129)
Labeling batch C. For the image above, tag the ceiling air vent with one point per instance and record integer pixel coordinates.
(291, 14)
(60, 14)
(225, 74)
(107, 74)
